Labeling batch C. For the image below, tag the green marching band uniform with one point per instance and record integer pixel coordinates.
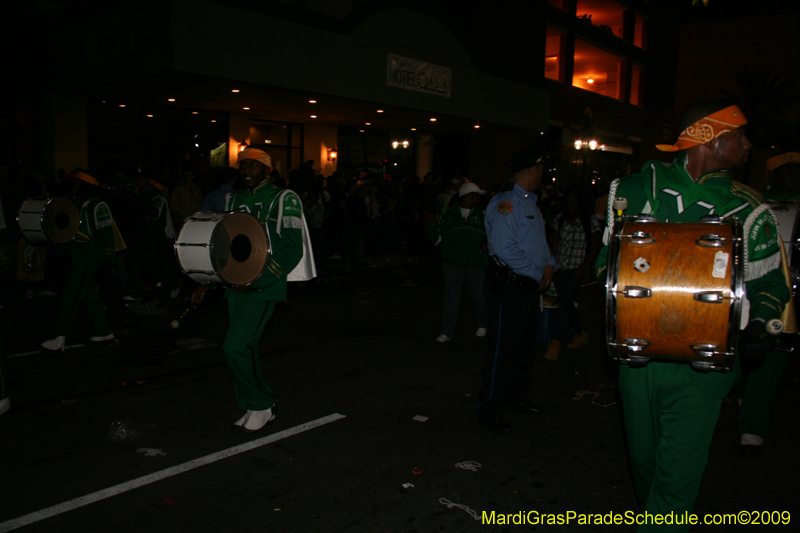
(670, 409)
(282, 212)
(147, 252)
(92, 247)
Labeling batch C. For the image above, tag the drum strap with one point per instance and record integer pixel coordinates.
(305, 269)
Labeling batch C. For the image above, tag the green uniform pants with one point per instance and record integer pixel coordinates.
(669, 425)
(756, 389)
(248, 317)
(81, 287)
(146, 254)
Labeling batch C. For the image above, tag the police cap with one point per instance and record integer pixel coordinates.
(531, 155)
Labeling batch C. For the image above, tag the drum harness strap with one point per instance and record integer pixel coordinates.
(305, 269)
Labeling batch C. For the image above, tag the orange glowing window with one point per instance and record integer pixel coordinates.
(607, 15)
(636, 84)
(597, 70)
(553, 55)
(640, 32)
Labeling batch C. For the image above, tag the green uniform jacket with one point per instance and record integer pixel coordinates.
(462, 239)
(286, 240)
(95, 237)
(156, 208)
(667, 192)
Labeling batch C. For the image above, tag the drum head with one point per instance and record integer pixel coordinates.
(239, 249)
(60, 220)
(128, 211)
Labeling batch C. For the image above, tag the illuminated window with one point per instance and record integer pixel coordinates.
(640, 32)
(597, 71)
(605, 14)
(553, 56)
(636, 84)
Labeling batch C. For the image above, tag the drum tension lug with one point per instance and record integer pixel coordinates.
(638, 237)
(636, 292)
(633, 345)
(706, 350)
(712, 297)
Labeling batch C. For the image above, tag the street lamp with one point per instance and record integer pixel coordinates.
(585, 145)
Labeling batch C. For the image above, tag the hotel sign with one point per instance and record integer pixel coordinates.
(419, 76)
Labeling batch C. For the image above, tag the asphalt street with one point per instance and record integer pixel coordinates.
(376, 428)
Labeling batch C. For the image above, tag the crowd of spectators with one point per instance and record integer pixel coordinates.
(351, 216)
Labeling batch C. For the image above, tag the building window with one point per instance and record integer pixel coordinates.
(597, 70)
(553, 55)
(605, 14)
(640, 32)
(636, 84)
(284, 140)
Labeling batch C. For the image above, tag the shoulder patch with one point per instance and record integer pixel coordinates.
(505, 207)
(292, 206)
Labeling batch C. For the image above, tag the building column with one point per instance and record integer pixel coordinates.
(317, 140)
(239, 132)
(65, 139)
(424, 155)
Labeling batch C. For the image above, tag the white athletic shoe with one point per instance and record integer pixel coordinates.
(255, 420)
(55, 344)
(442, 338)
(481, 332)
(237, 426)
(748, 439)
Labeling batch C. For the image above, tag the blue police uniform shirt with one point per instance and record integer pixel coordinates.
(516, 234)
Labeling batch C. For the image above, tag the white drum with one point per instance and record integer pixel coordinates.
(222, 248)
(53, 220)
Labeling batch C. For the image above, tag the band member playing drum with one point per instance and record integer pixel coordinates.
(250, 307)
(760, 378)
(92, 247)
(670, 408)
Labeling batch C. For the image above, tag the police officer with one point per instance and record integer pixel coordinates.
(521, 267)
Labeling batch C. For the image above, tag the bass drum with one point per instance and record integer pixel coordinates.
(230, 249)
(128, 212)
(674, 291)
(53, 220)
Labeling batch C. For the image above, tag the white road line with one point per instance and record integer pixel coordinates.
(44, 351)
(163, 474)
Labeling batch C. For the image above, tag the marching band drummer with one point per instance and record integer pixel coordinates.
(760, 378)
(249, 308)
(92, 247)
(670, 410)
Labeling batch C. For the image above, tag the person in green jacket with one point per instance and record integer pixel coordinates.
(670, 409)
(92, 247)
(249, 308)
(461, 233)
(147, 252)
(760, 378)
